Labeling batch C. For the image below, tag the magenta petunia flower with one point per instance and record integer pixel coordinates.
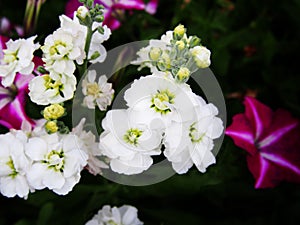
(13, 98)
(114, 9)
(272, 140)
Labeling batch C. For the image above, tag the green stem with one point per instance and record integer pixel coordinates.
(82, 68)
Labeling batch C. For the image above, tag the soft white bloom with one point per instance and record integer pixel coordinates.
(159, 97)
(44, 90)
(201, 56)
(57, 162)
(128, 144)
(82, 11)
(65, 46)
(13, 165)
(17, 59)
(124, 215)
(100, 94)
(97, 52)
(91, 147)
(191, 142)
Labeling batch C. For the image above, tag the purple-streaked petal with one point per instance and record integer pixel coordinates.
(71, 7)
(129, 5)
(276, 135)
(281, 162)
(258, 114)
(242, 133)
(151, 7)
(111, 21)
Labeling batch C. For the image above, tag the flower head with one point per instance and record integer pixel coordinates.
(17, 58)
(191, 142)
(57, 162)
(271, 140)
(14, 165)
(96, 93)
(124, 215)
(44, 90)
(127, 143)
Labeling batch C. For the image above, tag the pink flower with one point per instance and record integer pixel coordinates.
(13, 98)
(8, 28)
(272, 140)
(114, 9)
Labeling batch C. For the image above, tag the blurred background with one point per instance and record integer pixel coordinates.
(255, 47)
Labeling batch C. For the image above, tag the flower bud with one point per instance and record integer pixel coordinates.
(53, 112)
(155, 53)
(180, 45)
(183, 74)
(82, 12)
(194, 41)
(51, 127)
(179, 31)
(201, 56)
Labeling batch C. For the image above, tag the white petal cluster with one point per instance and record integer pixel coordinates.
(46, 90)
(191, 142)
(95, 164)
(17, 58)
(124, 215)
(57, 162)
(13, 166)
(33, 160)
(96, 93)
(128, 144)
(97, 52)
(161, 112)
(65, 47)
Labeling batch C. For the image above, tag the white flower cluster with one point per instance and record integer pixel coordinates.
(174, 54)
(124, 215)
(96, 93)
(62, 51)
(17, 58)
(161, 112)
(33, 160)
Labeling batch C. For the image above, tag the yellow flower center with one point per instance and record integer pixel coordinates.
(93, 89)
(132, 135)
(161, 100)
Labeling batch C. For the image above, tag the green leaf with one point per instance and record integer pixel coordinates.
(45, 214)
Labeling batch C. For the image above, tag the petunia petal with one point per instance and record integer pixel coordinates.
(258, 114)
(242, 133)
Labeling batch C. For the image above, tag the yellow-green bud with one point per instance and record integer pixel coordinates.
(183, 74)
(51, 127)
(180, 45)
(155, 53)
(179, 31)
(82, 12)
(53, 112)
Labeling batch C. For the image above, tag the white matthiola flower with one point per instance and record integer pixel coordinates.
(44, 90)
(17, 59)
(13, 165)
(65, 46)
(124, 215)
(90, 146)
(128, 144)
(191, 142)
(201, 56)
(100, 94)
(77, 31)
(97, 52)
(156, 97)
(57, 162)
